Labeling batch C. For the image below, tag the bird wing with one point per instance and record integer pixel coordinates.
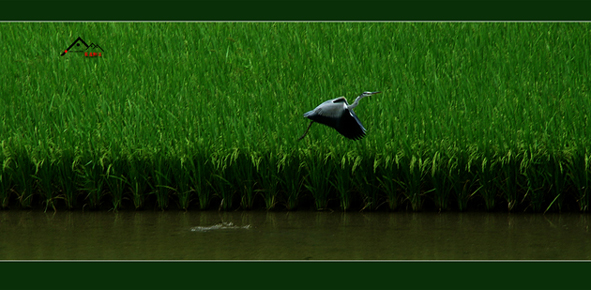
(338, 100)
(350, 126)
(334, 113)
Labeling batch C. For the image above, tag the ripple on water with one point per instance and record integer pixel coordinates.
(220, 226)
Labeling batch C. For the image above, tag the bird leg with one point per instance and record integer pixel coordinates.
(306, 131)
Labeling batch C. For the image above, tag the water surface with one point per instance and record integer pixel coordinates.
(259, 235)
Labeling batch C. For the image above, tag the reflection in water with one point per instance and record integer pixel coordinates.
(220, 227)
(254, 235)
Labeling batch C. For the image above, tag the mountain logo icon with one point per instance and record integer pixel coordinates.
(79, 45)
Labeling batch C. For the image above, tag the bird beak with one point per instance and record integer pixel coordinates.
(373, 93)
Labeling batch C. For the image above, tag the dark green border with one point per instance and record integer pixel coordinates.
(295, 275)
(294, 10)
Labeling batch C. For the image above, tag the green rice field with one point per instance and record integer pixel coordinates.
(472, 116)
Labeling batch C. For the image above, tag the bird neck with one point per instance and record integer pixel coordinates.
(355, 103)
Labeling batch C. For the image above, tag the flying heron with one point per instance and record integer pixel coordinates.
(337, 113)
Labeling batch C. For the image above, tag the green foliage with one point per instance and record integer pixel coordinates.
(489, 115)
(5, 175)
(116, 181)
(320, 168)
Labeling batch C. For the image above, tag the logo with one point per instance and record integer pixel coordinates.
(89, 50)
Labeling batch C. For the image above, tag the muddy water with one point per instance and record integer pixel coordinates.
(197, 235)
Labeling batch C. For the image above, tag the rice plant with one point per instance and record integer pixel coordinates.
(68, 178)
(471, 115)
(162, 186)
(45, 175)
(342, 183)
(579, 170)
(23, 171)
(442, 181)
(365, 183)
(93, 182)
(219, 182)
(117, 182)
(486, 174)
(509, 179)
(414, 173)
(291, 180)
(243, 168)
(198, 172)
(320, 169)
(139, 180)
(5, 185)
(268, 170)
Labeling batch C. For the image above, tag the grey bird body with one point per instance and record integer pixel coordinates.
(338, 114)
